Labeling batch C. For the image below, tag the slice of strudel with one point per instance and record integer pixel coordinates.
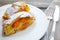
(18, 22)
(15, 8)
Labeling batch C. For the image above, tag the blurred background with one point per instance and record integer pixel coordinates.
(38, 3)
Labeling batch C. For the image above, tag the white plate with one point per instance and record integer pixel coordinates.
(34, 32)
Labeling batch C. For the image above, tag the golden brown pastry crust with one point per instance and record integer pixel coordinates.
(5, 16)
(17, 25)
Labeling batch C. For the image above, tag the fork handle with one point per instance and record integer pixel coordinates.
(53, 31)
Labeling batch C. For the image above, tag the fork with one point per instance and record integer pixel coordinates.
(49, 12)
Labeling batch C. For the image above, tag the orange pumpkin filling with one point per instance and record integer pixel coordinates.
(16, 23)
(24, 8)
(25, 26)
(21, 20)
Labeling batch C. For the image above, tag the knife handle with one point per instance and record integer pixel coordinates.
(53, 31)
(54, 25)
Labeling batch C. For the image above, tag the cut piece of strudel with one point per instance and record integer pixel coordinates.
(15, 8)
(18, 22)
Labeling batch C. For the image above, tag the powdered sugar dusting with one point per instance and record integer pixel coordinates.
(14, 16)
